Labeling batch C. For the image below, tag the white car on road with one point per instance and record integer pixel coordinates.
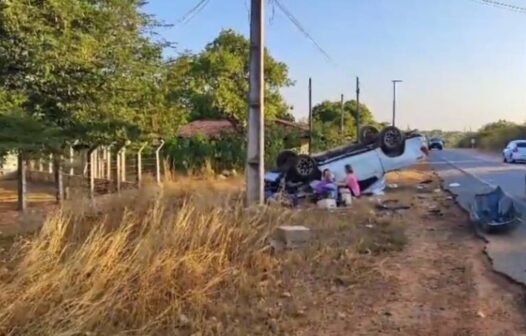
(390, 150)
(515, 151)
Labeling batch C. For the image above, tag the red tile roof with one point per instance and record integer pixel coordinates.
(209, 128)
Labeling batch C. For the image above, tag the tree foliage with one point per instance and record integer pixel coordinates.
(327, 121)
(495, 135)
(214, 83)
(84, 67)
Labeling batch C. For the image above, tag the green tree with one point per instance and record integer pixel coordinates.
(214, 82)
(327, 121)
(85, 69)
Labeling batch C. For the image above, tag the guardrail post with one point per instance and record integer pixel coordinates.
(139, 164)
(158, 163)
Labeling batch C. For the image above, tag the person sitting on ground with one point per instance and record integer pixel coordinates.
(351, 181)
(326, 187)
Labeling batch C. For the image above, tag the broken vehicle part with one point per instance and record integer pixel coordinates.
(494, 211)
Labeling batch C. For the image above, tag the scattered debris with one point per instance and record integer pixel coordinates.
(369, 226)
(286, 295)
(481, 314)
(436, 212)
(437, 191)
(392, 186)
(494, 211)
(428, 181)
(454, 185)
(391, 205)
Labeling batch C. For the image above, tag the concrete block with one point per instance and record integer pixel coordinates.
(293, 235)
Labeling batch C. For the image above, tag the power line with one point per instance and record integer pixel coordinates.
(502, 5)
(300, 27)
(192, 12)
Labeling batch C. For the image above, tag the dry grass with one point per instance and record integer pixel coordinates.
(188, 260)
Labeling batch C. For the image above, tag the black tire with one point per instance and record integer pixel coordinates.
(368, 134)
(304, 169)
(285, 160)
(392, 141)
(504, 159)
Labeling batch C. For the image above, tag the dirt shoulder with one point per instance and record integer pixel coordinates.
(440, 283)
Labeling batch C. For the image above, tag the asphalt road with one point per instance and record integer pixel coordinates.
(475, 173)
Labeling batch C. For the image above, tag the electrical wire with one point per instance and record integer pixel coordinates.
(502, 5)
(192, 12)
(301, 28)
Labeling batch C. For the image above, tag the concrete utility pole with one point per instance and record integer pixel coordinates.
(358, 109)
(310, 116)
(342, 117)
(256, 146)
(394, 99)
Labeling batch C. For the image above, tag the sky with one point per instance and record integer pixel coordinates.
(463, 64)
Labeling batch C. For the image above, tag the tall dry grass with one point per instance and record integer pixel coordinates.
(146, 263)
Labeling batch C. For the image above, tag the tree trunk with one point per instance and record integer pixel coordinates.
(22, 187)
(59, 180)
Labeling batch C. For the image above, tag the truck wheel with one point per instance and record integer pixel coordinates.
(285, 160)
(368, 134)
(304, 168)
(392, 140)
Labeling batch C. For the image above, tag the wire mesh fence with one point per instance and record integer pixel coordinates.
(99, 170)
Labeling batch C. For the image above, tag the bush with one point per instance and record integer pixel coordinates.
(196, 154)
(495, 136)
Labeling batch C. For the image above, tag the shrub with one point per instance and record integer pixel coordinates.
(495, 136)
(192, 155)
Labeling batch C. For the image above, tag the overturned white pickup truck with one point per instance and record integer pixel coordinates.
(377, 154)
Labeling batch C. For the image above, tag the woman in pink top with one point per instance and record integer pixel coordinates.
(351, 181)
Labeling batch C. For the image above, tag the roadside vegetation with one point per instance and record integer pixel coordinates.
(172, 262)
(189, 260)
(495, 136)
